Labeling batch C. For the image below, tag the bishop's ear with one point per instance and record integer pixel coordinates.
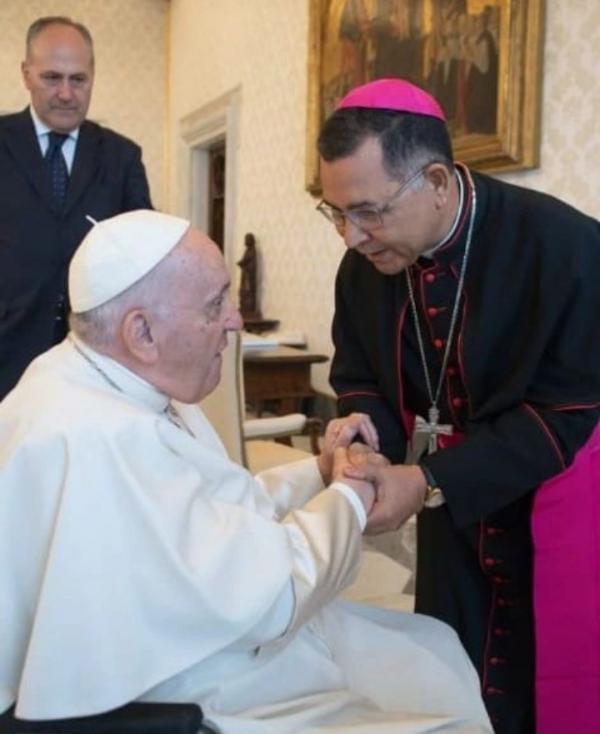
(440, 178)
(138, 337)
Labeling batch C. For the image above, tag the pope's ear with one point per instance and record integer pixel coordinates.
(137, 336)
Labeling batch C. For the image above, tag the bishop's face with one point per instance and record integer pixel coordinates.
(411, 218)
(197, 316)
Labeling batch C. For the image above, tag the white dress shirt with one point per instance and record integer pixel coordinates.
(42, 131)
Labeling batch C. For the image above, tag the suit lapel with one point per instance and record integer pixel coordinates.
(85, 163)
(23, 145)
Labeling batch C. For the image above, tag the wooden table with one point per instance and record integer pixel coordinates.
(280, 374)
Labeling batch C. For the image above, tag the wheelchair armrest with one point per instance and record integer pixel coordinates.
(133, 718)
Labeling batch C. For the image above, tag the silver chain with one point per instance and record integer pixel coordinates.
(434, 397)
(98, 369)
(170, 412)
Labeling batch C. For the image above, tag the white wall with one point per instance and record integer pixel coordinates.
(570, 153)
(130, 93)
(261, 45)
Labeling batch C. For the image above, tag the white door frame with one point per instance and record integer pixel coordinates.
(198, 131)
(218, 120)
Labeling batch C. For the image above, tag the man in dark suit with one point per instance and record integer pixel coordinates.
(56, 168)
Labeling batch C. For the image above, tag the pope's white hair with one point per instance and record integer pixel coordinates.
(99, 326)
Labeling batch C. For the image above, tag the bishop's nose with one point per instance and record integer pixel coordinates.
(352, 234)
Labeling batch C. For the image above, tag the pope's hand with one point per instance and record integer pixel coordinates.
(340, 432)
(400, 493)
(341, 465)
(364, 457)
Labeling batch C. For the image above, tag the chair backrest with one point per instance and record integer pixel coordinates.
(224, 407)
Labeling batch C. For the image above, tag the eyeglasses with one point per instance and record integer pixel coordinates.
(367, 218)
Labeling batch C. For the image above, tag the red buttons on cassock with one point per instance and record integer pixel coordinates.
(499, 580)
(491, 691)
(452, 371)
(501, 631)
(498, 661)
(438, 343)
(457, 402)
(429, 277)
(489, 562)
(432, 311)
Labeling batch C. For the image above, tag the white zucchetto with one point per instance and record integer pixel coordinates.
(119, 251)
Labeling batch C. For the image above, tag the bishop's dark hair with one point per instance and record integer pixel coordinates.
(406, 139)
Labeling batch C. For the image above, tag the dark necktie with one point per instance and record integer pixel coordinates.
(59, 174)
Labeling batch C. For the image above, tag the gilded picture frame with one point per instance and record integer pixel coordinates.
(481, 58)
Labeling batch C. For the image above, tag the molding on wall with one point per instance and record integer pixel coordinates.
(217, 120)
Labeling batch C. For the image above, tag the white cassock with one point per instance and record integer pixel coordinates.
(138, 562)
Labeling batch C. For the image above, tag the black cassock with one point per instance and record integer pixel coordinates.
(522, 385)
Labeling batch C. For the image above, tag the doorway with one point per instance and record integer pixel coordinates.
(209, 139)
(216, 192)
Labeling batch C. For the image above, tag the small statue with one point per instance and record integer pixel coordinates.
(248, 283)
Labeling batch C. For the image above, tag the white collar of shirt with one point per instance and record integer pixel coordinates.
(116, 375)
(42, 130)
(459, 208)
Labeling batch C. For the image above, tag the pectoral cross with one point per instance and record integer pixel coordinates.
(433, 429)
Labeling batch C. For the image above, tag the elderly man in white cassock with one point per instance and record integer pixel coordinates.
(138, 562)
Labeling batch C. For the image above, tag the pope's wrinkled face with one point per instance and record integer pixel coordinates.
(196, 314)
(59, 74)
(410, 220)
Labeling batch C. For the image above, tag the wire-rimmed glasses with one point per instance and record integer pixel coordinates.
(366, 218)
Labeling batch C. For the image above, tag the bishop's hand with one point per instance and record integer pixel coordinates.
(400, 493)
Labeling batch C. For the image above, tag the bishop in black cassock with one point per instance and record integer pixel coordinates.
(521, 391)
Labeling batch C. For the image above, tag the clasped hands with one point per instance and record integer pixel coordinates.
(389, 493)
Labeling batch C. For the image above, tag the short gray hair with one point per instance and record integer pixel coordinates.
(99, 326)
(40, 24)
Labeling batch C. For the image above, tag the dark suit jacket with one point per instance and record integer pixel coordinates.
(36, 243)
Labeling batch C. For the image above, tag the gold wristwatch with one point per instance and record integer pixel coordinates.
(434, 497)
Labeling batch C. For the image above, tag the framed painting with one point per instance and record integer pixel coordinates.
(481, 59)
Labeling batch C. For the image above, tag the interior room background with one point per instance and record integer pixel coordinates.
(159, 62)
